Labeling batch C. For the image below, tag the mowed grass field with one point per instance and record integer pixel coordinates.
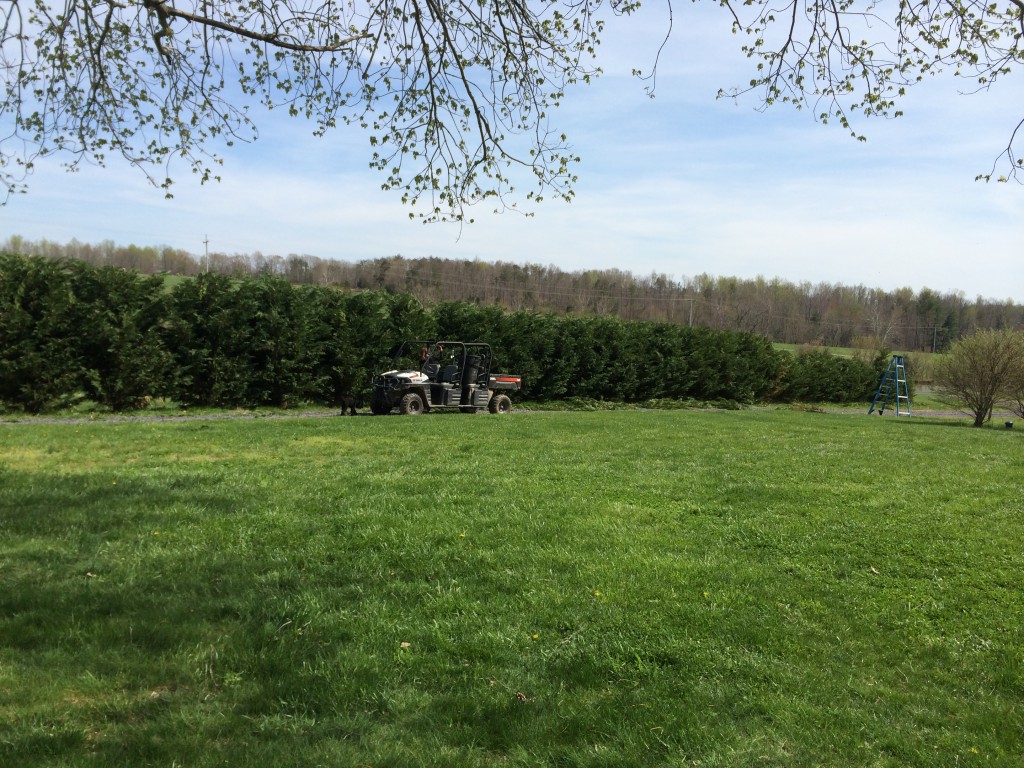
(705, 588)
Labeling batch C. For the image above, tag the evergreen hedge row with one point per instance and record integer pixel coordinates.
(70, 331)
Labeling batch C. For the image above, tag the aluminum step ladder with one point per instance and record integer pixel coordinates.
(893, 389)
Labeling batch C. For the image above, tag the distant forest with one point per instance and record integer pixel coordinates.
(795, 313)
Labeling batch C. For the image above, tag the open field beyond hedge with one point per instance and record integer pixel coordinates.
(713, 588)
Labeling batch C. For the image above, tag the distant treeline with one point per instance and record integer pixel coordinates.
(820, 314)
(70, 331)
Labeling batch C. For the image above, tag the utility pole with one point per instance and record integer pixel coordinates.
(206, 252)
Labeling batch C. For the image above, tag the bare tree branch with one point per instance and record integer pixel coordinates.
(165, 10)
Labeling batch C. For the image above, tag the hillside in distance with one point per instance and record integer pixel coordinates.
(786, 312)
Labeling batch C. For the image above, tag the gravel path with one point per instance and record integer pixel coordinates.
(997, 417)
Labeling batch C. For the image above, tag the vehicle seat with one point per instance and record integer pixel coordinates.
(449, 374)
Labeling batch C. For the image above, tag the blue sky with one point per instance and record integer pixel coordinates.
(682, 184)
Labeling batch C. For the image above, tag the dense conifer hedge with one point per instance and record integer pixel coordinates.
(71, 331)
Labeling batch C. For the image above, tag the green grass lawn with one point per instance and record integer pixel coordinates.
(713, 588)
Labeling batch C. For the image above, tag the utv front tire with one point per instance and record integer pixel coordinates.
(500, 404)
(379, 406)
(411, 405)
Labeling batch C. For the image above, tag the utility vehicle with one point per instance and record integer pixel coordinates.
(442, 374)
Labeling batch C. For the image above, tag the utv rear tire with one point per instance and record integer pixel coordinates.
(500, 404)
(411, 405)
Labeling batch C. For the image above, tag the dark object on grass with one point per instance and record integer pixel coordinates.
(1009, 424)
(349, 405)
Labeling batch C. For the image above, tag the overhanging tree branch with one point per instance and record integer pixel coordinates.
(458, 97)
(165, 10)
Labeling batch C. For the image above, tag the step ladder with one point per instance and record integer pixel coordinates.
(893, 388)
